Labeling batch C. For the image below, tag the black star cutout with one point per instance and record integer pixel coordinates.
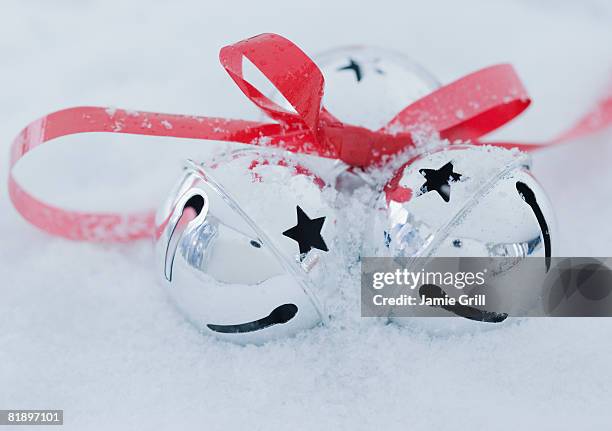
(355, 67)
(307, 232)
(439, 180)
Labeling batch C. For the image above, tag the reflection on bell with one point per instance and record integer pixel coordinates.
(239, 242)
(367, 86)
(463, 201)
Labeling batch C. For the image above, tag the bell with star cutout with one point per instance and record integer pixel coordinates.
(465, 201)
(242, 242)
(367, 86)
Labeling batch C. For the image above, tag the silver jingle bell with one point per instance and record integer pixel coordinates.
(367, 86)
(465, 201)
(241, 242)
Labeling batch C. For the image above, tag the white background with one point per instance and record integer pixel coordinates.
(85, 328)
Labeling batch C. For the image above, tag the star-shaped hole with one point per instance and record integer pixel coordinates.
(439, 180)
(307, 232)
(355, 67)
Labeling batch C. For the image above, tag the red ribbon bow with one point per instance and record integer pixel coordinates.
(466, 109)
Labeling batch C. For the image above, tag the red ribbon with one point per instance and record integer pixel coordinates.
(466, 109)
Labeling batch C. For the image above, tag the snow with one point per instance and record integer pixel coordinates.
(86, 328)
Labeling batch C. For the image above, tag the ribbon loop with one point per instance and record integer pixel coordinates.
(288, 68)
(465, 109)
(469, 107)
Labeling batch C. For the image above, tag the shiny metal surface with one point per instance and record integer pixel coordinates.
(485, 214)
(485, 203)
(225, 250)
(367, 86)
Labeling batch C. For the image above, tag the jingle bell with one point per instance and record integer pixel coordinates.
(240, 242)
(464, 201)
(367, 86)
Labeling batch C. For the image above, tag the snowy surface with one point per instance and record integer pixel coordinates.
(86, 328)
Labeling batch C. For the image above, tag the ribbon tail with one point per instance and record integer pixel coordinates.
(596, 120)
(115, 227)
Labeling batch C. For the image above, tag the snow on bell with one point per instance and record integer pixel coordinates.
(466, 201)
(242, 243)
